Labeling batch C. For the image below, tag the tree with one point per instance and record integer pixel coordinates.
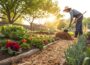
(31, 16)
(40, 9)
(12, 9)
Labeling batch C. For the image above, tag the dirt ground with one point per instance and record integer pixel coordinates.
(52, 55)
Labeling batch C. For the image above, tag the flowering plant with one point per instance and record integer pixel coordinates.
(24, 40)
(13, 45)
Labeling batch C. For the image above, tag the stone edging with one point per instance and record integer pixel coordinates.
(10, 60)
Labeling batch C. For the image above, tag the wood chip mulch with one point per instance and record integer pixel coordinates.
(52, 55)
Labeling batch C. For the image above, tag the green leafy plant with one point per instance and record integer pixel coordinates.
(37, 43)
(87, 58)
(75, 53)
(3, 42)
(12, 52)
(25, 46)
(86, 61)
(2, 46)
(25, 43)
(14, 32)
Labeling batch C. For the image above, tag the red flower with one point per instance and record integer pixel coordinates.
(9, 44)
(24, 40)
(13, 45)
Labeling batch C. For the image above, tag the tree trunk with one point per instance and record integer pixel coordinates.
(31, 24)
(10, 20)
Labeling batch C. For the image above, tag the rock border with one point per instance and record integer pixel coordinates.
(13, 59)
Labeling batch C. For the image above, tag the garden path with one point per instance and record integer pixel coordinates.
(52, 55)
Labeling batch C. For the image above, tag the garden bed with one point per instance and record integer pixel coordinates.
(7, 60)
(3, 56)
(15, 40)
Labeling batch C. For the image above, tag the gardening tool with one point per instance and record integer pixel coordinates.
(66, 30)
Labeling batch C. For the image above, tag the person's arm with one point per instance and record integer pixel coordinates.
(71, 19)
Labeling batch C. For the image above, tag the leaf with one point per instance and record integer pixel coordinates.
(86, 60)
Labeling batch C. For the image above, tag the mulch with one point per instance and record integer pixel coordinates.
(53, 55)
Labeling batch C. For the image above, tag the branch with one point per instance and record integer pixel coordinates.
(19, 14)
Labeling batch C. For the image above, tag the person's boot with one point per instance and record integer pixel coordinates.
(76, 34)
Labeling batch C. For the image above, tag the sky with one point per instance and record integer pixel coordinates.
(80, 5)
(50, 18)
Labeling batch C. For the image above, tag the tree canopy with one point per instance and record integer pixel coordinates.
(11, 10)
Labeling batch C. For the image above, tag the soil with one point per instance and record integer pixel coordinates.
(52, 55)
(5, 55)
(63, 35)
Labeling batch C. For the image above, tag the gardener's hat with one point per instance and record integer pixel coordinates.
(66, 8)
